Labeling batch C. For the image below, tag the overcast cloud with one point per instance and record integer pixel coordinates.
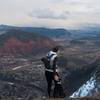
(50, 13)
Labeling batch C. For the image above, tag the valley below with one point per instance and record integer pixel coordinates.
(23, 78)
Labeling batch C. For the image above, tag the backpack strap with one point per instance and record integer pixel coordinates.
(52, 59)
(50, 56)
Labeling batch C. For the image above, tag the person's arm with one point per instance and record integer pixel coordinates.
(56, 75)
(55, 65)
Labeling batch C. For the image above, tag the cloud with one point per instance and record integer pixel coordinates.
(49, 14)
(56, 1)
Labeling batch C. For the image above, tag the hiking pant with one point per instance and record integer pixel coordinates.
(49, 78)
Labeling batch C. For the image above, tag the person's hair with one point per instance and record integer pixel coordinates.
(55, 49)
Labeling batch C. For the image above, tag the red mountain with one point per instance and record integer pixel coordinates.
(16, 42)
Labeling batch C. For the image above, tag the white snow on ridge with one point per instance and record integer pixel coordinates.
(85, 89)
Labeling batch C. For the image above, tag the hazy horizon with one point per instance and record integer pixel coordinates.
(50, 13)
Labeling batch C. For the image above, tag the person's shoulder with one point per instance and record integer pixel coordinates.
(55, 56)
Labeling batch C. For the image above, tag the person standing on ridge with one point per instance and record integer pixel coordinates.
(52, 74)
(51, 68)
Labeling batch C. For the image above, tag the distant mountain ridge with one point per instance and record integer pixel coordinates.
(23, 38)
(49, 32)
(19, 34)
(93, 31)
(86, 32)
(18, 42)
(59, 32)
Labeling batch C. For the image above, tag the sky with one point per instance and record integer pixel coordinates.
(50, 13)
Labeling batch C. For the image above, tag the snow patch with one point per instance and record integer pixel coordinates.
(85, 89)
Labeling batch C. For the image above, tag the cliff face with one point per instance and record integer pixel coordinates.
(16, 42)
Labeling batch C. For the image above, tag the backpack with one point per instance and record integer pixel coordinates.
(58, 89)
(46, 61)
